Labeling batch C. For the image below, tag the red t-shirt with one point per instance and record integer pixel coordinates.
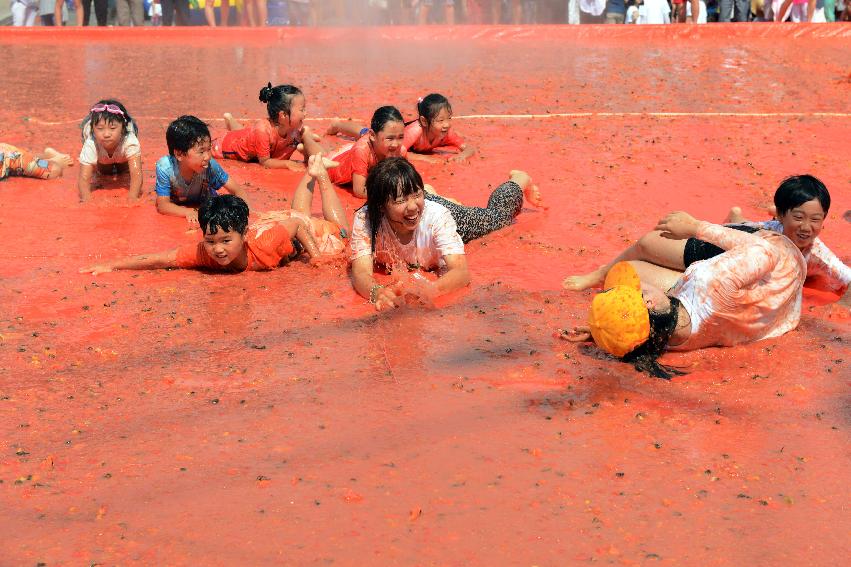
(358, 157)
(417, 141)
(260, 140)
(267, 243)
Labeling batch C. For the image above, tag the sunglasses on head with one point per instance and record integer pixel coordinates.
(111, 108)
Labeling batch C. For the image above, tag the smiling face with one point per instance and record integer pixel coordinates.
(197, 158)
(298, 110)
(802, 224)
(439, 127)
(387, 142)
(108, 133)
(225, 247)
(404, 213)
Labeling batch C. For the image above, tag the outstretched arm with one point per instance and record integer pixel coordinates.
(466, 152)
(155, 261)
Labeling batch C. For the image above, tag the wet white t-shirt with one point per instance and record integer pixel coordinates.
(92, 153)
(436, 236)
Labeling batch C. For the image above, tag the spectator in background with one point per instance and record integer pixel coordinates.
(130, 11)
(24, 12)
(78, 12)
(46, 8)
(654, 12)
(632, 12)
(101, 11)
(591, 11)
(172, 7)
(701, 14)
(733, 10)
(448, 10)
(615, 11)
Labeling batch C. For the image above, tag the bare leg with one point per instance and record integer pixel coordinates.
(224, 11)
(663, 278)
(651, 247)
(423, 17)
(332, 207)
(309, 145)
(62, 160)
(345, 127)
(262, 13)
(210, 14)
(231, 122)
(450, 15)
(734, 216)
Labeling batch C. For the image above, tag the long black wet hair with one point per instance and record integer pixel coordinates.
(430, 106)
(390, 178)
(96, 117)
(278, 99)
(645, 356)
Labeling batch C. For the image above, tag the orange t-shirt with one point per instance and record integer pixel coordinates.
(267, 243)
(260, 140)
(358, 157)
(417, 141)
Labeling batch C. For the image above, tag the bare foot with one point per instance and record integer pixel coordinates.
(231, 122)
(533, 195)
(63, 160)
(429, 189)
(333, 129)
(584, 281)
(734, 216)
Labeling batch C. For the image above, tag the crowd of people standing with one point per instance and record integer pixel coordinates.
(407, 12)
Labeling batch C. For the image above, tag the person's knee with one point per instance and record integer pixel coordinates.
(647, 243)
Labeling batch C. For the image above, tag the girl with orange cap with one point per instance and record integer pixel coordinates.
(751, 291)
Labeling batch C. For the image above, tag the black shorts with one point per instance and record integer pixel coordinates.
(697, 250)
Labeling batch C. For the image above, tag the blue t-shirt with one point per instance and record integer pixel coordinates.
(615, 7)
(171, 184)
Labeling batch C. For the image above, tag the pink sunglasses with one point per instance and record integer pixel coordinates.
(111, 108)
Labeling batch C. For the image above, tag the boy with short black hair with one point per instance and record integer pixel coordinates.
(231, 245)
(189, 174)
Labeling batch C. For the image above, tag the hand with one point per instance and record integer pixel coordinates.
(678, 225)
(420, 287)
(192, 218)
(388, 297)
(96, 269)
(578, 334)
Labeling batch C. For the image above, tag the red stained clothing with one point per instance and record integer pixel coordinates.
(357, 158)
(417, 141)
(258, 141)
(266, 242)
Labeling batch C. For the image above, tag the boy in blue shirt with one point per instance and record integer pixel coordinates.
(189, 174)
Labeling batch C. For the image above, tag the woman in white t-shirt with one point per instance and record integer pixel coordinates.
(110, 147)
(400, 230)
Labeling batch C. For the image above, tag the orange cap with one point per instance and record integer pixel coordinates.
(618, 317)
